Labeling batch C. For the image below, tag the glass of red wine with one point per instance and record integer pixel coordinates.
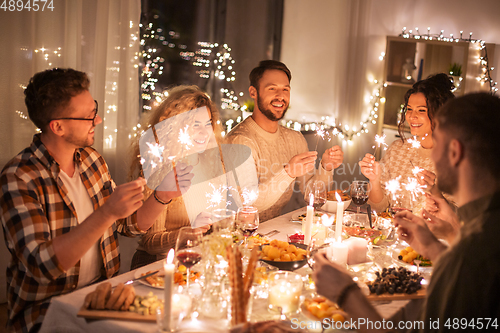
(318, 189)
(360, 191)
(247, 221)
(188, 249)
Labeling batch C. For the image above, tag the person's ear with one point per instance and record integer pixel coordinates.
(253, 92)
(455, 152)
(56, 127)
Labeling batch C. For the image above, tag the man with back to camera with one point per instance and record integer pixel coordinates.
(281, 155)
(464, 292)
(61, 211)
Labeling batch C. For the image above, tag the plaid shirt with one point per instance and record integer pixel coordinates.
(35, 208)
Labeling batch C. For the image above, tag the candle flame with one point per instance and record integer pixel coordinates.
(327, 220)
(338, 197)
(311, 199)
(170, 256)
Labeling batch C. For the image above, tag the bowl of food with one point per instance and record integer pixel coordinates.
(331, 201)
(283, 255)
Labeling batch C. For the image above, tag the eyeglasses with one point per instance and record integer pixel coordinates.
(90, 119)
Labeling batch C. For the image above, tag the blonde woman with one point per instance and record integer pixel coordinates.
(186, 126)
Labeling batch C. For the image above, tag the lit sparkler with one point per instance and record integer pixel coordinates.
(156, 150)
(416, 170)
(393, 186)
(379, 140)
(414, 188)
(185, 138)
(414, 143)
(249, 196)
(218, 195)
(320, 132)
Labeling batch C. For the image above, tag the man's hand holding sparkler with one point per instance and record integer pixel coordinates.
(415, 232)
(175, 183)
(332, 158)
(301, 164)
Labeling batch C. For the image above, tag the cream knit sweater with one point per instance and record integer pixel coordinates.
(397, 161)
(271, 151)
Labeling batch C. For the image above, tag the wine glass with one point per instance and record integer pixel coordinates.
(247, 220)
(360, 190)
(318, 189)
(188, 249)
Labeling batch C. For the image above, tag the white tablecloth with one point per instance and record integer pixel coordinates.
(62, 313)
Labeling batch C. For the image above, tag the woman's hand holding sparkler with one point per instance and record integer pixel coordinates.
(428, 178)
(176, 182)
(370, 168)
(332, 158)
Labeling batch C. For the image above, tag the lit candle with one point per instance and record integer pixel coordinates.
(169, 286)
(340, 217)
(309, 220)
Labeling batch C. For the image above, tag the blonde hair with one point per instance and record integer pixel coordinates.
(180, 100)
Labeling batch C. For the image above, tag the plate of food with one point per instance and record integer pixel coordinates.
(283, 255)
(396, 283)
(330, 205)
(318, 308)
(301, 216)
(408, 257)
(157, 280)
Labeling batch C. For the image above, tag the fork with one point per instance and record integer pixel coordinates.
(270, 233)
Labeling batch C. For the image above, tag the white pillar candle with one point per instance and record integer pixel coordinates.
(169, 268)
(340, 217)
(309, 220)
(337, 252)
(357, 248)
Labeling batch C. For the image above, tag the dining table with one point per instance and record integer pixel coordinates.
(62, 314)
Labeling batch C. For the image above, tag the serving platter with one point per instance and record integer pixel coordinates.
(110, 314)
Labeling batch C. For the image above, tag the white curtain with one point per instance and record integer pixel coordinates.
(99, 37)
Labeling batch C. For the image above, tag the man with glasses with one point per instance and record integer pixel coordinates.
(61, 212)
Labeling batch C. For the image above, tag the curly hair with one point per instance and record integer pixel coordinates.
(50, 91)
(436, 89)
(257, 73)
(180, 100)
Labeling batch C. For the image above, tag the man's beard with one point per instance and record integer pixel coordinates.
(446, 176)
(266, 111)
(79, 142)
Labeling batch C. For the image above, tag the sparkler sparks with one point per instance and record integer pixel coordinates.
(414, 143)
(414, 188)
(393, 186)
(379, 140)
(218, 195)
(249, 196)
(320, 132)
(416, 170)
(156, 150)
(185, 138)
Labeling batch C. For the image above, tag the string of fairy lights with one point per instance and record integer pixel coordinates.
(215, 60)
(485, 74)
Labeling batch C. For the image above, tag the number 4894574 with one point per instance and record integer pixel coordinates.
(29, 5)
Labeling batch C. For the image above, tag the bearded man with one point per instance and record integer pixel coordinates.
(281, 155)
